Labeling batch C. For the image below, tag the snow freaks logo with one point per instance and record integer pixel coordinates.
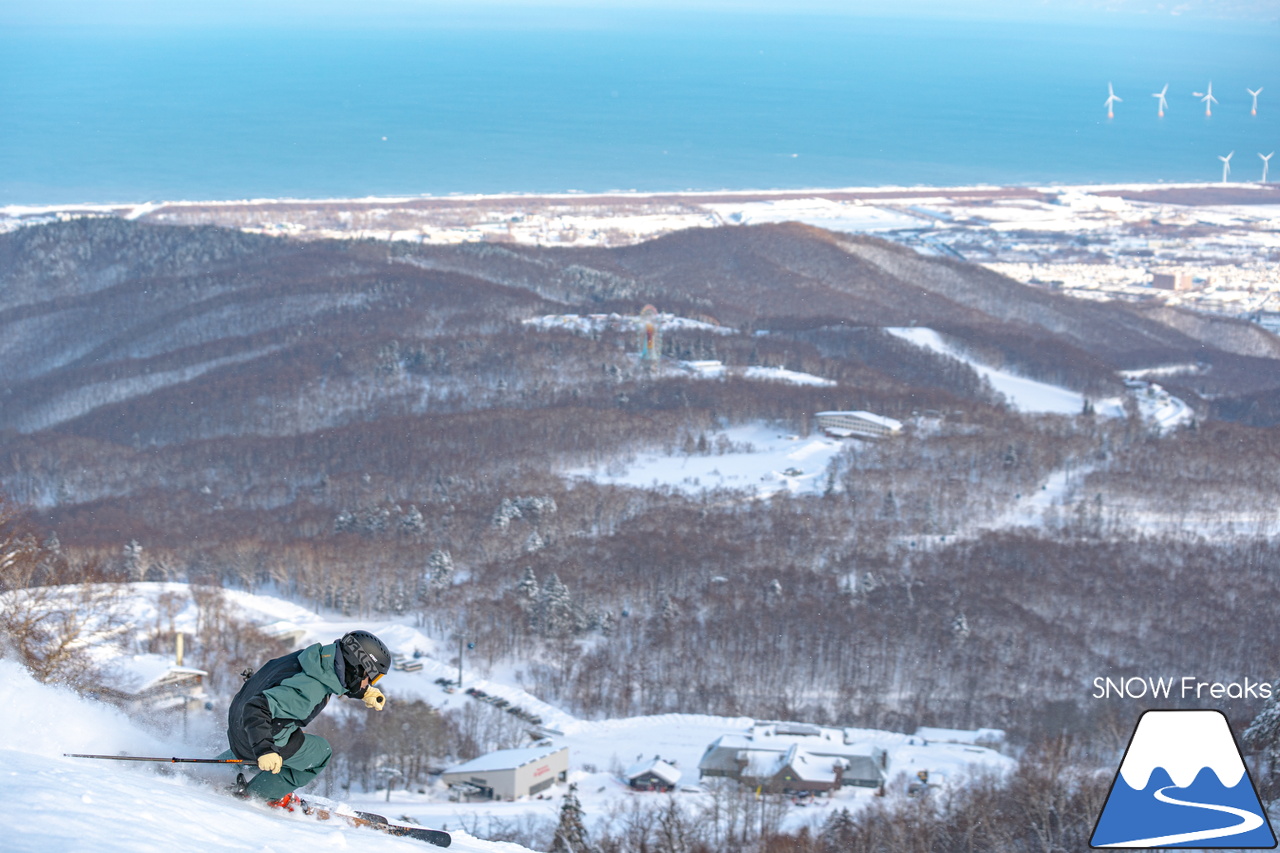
(1183, 783)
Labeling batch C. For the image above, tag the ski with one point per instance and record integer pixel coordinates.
(313, 806)
(323, 809)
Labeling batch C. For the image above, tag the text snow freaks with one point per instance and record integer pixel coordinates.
(1186, 687)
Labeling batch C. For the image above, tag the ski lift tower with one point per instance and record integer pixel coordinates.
(650, 336)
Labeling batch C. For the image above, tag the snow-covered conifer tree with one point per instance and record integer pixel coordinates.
(440, 568)
(135, 567)
(437, 575)
(571, 834)
(527, 592)
(534, 543)
(608, 623)
(506, 511)
(773, 592)
(555, 607)
(838, 833)
(412, 523)
(670, 610)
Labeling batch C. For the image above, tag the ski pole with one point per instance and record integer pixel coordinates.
(166, 760)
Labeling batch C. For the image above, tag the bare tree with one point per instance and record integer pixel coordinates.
(48, 628)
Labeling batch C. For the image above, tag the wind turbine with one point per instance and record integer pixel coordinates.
(1226, 165)
(1255, 98)
(1111, 99)
(1162, 105)
(1266, 161)
(1208, 98)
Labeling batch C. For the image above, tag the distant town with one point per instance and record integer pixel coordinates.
(1208, 247)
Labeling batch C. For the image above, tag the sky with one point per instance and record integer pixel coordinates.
(399, 12)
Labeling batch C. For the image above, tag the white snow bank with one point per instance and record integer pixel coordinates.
(69, 804)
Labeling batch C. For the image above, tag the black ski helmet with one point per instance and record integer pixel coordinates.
(365, 653)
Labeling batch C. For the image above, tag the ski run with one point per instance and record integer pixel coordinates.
(75, 804)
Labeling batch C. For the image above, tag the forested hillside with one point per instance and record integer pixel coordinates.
(374, 427)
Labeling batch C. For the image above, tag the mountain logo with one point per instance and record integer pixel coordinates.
(1183, 783)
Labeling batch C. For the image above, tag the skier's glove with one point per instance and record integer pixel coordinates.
(271, 762)
(374, 699)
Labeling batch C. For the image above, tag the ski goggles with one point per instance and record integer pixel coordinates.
(367, 662)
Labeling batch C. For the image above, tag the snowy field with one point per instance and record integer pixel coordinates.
(847, 216)
(756, 458)
(78, 804)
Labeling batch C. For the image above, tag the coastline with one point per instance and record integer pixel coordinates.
(1092, 241)
(884, 192)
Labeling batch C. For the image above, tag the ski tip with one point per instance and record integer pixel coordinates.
(438, 837)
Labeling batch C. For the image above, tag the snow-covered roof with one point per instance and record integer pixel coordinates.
(870, 417)
(944, 735)
(656, 767)
(784, 728)
(824, 742)
(808, 767)
(762, 765)
(137, 673)
(506, 759)
(973, 736)
(285, 631)
(781, 374)
(770, 747)
(737, 741)
(705, 368)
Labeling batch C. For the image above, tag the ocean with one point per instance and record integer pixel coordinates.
(654, 102)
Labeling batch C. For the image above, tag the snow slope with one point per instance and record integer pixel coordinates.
(69, 804)
(81, 804)
(1026, 395)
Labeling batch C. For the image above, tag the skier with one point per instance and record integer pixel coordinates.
(267, 716)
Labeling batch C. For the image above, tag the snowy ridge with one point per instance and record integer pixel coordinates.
(585, 324)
